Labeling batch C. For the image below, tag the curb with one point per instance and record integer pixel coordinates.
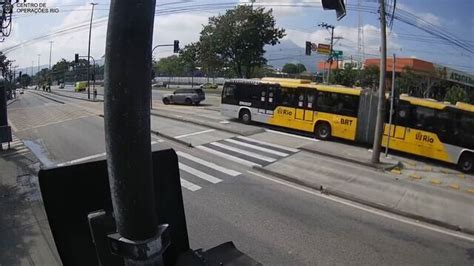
(351, 197)
(77, 98)
(210, 125)
(399, 164)
(182, 142)
(49, 98)
(12, 101)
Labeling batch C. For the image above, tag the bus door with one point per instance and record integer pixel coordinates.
(304, 104)
(267, 99)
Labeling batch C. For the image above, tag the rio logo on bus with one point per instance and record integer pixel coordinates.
(425, 138)
(282, 111)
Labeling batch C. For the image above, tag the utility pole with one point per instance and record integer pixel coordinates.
(327, 26)
(381, 104)
(392, 98)
(50, 50)
(127, 127)
(39, 56)
(32, 66)
(89, 54)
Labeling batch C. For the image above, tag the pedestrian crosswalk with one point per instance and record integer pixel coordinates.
(17, 148)
(248, 151)
(196, 172)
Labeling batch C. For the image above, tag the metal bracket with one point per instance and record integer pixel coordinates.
(140, 250)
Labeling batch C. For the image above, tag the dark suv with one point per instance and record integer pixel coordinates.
(185, 96)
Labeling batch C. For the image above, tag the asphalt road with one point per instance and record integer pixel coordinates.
(274, 222)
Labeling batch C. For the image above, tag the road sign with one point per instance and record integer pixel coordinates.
(323, 51)
(324, 48)
(337, 53)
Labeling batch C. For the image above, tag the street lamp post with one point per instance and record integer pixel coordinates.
(89, 54)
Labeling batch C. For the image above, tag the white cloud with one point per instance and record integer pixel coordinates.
(183, 27)
(426, 16)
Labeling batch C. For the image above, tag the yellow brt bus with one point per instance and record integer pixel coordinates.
(433, 129)
(422, 127)
(298, 104)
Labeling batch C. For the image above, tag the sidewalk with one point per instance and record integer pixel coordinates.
(24, 230)
(345, 172)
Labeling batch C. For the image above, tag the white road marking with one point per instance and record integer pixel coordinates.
(244, 152)
(81, 159)
(291, 135)
(194, 133)
(269, 144)
(370, 210)
(229, 157)
(186, 184)
(209, 164)
(12, 125)
(199, 174)
(256, 147)
(94, 156)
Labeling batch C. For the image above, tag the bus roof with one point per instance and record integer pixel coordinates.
(465, 106)
(430, 103)
(305, 83)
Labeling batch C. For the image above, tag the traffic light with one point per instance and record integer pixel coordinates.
(337, 5)
(176, 46)
(308, 48)
(76, 58)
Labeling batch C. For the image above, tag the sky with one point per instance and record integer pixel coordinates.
(183, 20)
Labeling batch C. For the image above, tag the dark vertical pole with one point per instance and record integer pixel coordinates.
(330, 55)
(127, 117)
(89, 54)
(381, 105)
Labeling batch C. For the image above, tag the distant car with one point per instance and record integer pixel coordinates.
(21, 91)
(208, 86)
(80, 86)
(185, 96)
(61, 86)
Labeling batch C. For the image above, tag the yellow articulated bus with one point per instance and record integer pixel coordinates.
(433, 129)
(422, 127)
(297, 104)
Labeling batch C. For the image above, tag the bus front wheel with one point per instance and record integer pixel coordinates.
(322, 131)
(466, 162)
(245, 116)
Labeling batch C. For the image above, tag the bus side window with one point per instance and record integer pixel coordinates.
(288, 97)
(403, 115)
(301, 99)
(424, 118)
(310, 99)
(229, 91)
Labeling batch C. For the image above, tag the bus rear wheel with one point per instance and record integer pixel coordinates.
(466, 163)
(322, 131)
(245, 116)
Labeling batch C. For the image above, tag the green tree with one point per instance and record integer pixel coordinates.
(189, 57)
(24, 80)
(456, 94)
(170, 66)
(4, 64)
(301, 68)
(370, 77)
(409, 82)
(238, 37)
(60, 69)
(346, 76)
(290, 68)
